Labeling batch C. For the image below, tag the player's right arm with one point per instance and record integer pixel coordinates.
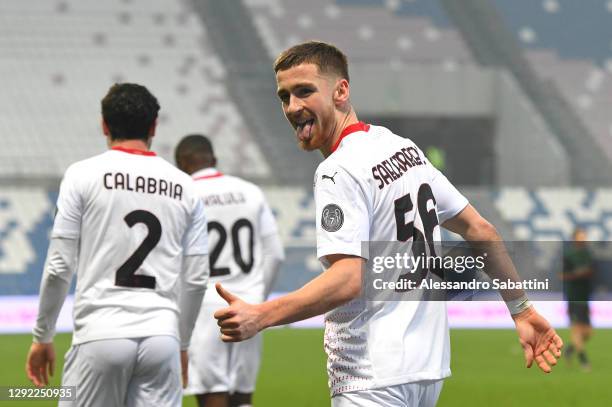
(273, 256)
(193, 279)
(195, 272)
(339, 284)
(271, 247)
(344, 220)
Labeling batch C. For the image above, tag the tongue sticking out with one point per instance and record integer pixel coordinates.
(303, 131)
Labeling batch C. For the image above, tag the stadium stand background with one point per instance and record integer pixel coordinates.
(521, 116)
(58, 58)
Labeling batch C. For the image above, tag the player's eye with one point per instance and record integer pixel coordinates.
(304, 92)
(284, 98)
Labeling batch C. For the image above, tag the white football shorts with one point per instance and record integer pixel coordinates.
(216, 366)
(418, 394)
(124, 372)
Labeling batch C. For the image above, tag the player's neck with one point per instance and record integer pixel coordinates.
(130, 144)
(342, 122)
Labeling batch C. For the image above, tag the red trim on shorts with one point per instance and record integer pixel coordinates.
(359, 126)
(134, 151)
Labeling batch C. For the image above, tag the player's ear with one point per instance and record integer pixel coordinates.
(342, 91)
(105, 129)
(153, 128)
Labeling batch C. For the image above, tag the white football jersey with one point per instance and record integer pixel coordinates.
(371, 188)
(135, 216)
(238, 218)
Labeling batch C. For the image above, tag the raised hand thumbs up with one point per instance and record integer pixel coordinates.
(238, 321)
(226, 295)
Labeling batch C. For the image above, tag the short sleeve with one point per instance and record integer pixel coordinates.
(448, 199)
(67, 223)
(343, 220)
(195, 241)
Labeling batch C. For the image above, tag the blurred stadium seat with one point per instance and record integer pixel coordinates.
(368, 32)
(58, 58)
(569, 43)
(553, 213)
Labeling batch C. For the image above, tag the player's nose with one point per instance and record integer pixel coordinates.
(294, 107)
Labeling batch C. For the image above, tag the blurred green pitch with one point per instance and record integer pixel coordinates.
(487, 371)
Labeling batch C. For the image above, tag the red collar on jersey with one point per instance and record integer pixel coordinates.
(213, 175)
(134, 151)
(359, 126)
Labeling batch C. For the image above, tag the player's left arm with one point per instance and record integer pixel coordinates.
(339, 284)
(57, 275)
(539, 340)
(60, 266)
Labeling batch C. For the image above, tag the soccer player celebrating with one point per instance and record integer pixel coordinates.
(372, 186)
(246, 254)
(132, 228)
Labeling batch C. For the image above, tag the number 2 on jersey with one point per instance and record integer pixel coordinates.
(126, 276)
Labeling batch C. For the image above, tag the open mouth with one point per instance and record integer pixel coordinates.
(304, 129)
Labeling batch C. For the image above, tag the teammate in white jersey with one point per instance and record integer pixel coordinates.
(132, 227)
(372, 186)
(245, 254)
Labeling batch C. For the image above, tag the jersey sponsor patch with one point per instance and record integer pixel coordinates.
(332, 218)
